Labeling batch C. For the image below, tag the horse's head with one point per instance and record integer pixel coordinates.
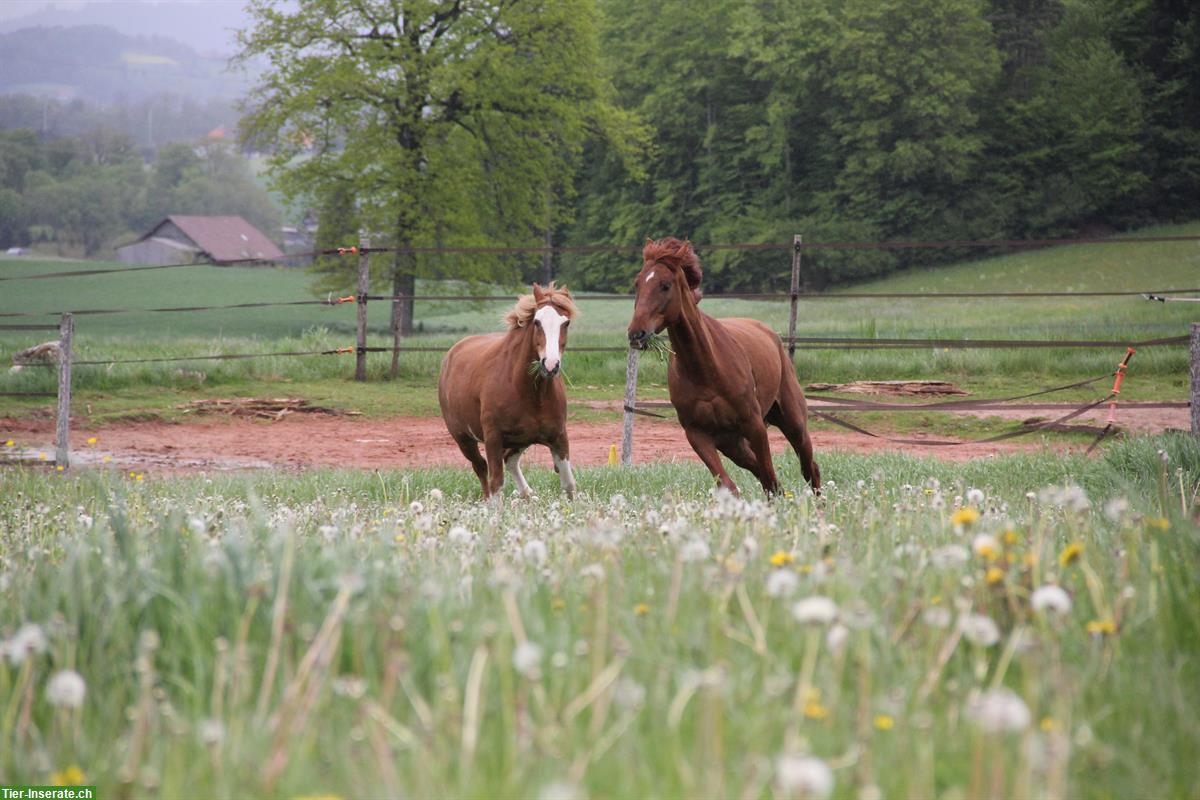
(669, 279)
(552, 313)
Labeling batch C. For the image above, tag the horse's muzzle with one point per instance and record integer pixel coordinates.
(639, 339)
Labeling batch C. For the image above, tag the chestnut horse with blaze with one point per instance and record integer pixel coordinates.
(728, 378)
(505, 391)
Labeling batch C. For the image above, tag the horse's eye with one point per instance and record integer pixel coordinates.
(666, 287)
(566, 324)
(537, 323)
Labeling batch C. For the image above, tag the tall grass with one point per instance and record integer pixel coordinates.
(366, 634)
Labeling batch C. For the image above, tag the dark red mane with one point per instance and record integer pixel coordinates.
(673, 252)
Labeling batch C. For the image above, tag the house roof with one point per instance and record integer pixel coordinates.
(224, 238)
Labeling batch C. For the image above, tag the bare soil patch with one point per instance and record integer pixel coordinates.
(298, 441)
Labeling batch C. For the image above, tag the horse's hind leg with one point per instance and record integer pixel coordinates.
(512, 462)
(760, 445)
(470, 449)
(790, 417)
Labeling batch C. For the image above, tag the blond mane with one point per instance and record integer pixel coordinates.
(527, 306)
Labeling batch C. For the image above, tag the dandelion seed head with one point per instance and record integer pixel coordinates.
(527, 659)
(980, 630)
(534, 552)
(999, 711)
(66, 689)
(815, 610)
(803, 777)
(1050, 598)
(782, 582)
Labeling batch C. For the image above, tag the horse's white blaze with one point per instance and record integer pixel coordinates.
(513, 464)
(552, 323)
(651, 275)
(565, 478)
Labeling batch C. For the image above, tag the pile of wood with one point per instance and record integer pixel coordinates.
(888, 387)
(271, 408)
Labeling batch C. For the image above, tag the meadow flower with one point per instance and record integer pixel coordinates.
(1050, 598)
(937, 617)
(1101, 627)
(985, 545)
(835, 638)
(1115, 509)
(993, 576)
(210, 732)
(815, 610)
(1158, 523)
(964, 516)
(950, 556)
(66, 689)
(979, 630)
(29, 640)
(999, 711)
(781, 558)
(1070, 554)
(416, 507)
(629, 694)
(884, 723)
(534, 552)
(350, 686)
(459, 536)
(71, 776)
(694, 550)
(803, 777)
(975, 497)
(435, 495)
(781, 582)
(641, 609)
(527, 659)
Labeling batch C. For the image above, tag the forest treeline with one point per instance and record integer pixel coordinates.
(890, 119)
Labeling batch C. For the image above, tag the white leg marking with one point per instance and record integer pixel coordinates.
(565, 477)
(513, 465)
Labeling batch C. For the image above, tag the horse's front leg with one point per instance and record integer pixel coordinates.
(706, 448)
(760, 445)
(560, 449)
(512, 462)
(493, 444)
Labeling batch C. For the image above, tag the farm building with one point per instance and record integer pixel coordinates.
(182, 239)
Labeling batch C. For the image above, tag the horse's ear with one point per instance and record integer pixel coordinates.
(564, 289)
(538, 294)
(697, 294)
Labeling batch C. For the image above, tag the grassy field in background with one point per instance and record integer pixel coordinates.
(1157, 373)
(1014, 627)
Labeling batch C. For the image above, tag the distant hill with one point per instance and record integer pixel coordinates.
(97, 63)
(207, 26)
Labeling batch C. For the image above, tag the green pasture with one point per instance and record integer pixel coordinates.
(1157, 373)
(356, 634)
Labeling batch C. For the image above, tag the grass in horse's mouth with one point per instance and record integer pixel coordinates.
(538, 371)
(659, 344)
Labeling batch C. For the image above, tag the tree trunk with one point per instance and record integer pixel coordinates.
(548, 258)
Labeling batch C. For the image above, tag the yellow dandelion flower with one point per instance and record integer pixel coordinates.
(399, 538)
(91, 440)
(937, 598)
(804, 569)
(814, 710)
(9, 443)
(557, 603)
(986, 551)
(139, 477)
(1048, 724)
(41, 456)
(1070, 554)
(965, 516)
(1158, 523)
(1029, 559)
(994, 576)
(781, 558)
(71, 776)
(60, 468)
(1101, 627)
(884, 723)
(1011, 537)
(641, 609)
(106, 459)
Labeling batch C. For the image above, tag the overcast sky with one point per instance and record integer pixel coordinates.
(204, 24)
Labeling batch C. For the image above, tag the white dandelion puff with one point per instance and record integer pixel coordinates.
(1050, 598)
(29, 640)
(985, 545)
(527, 659)
(694, 550)
(979, 630)
(999, 711)
(66, 689)
(782, 583)
(836, 638)
(210, 731)
(534, 552)
(937, 617)
(975, 497)
(803, 777)
(815, 610)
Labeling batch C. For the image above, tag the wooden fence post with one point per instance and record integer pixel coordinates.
(631, 372)
(62, 443)
(797, 241)
(1196, 379)
(364, 285)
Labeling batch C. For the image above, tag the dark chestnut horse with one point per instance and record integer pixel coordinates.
(504, 390)
(728, 378)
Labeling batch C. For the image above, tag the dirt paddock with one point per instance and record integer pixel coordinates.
(301, 441)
